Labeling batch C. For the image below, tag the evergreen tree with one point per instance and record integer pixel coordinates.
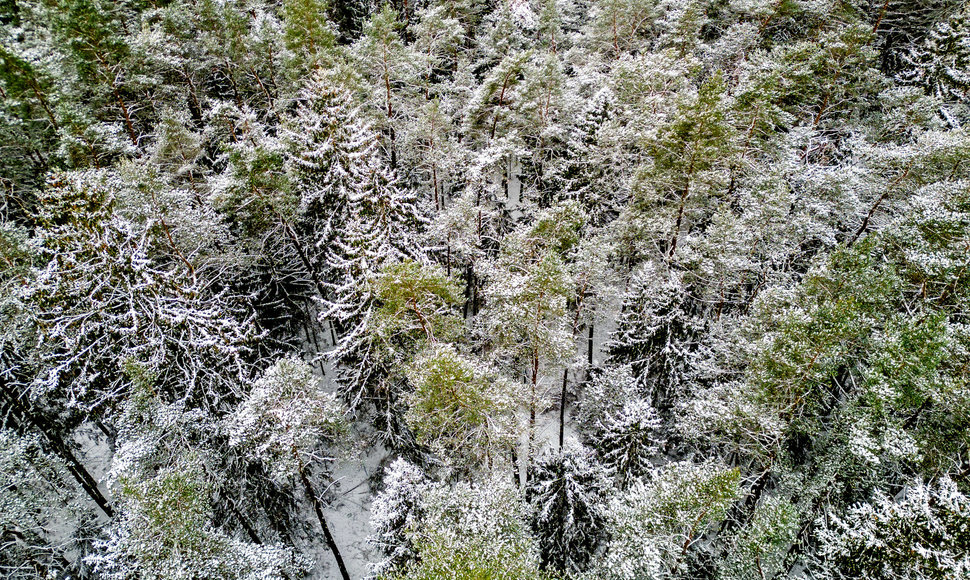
(921, 535)
(282, 422)
(567, 496)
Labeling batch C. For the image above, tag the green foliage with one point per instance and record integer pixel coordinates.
(257, 190)
(689, 157)
(174, 505)
(459, 409)
(415, 305)
(759, 550)
(863, 332)
(830, 77)
(621, 25)
(308, 33)
(529, 286)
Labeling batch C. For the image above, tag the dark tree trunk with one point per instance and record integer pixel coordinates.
(318, 510)
(41, 424)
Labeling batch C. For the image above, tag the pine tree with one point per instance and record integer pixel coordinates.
(163, 531)
(282, 422)
(112, 290)
(396, 312)
(472, 531)
(332, 156)
(658, 521)
(629, 440)
(689, 157)
(619, 26)
(920, 535)
(389, 68)
(461, 410)
(660, 331)
(309, 35)
(528, 287)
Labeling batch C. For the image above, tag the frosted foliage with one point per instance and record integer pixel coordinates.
(286, 417)
(476, 530)
(629, 438)
(163, 533)
(395, 511)
(567, 496)
(761, 547)
(103, 298)
(868, 444)
(606, 394)
(332, 149)
(918, 536)
(572, 289)
(723, 412)
(657, 519)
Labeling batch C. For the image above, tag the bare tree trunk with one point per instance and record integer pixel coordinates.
(318, 510)
(562, 407)
(25, 417)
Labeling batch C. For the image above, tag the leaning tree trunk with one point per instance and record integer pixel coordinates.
(318, 510)
(23, 415)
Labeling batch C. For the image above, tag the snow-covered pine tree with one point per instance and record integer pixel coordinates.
(629, 440)
(283, 423)
(389, 69)
(921, 534)
(164, 531)
(658, 521)
(111, 290)
(659, 332)
(472, 531)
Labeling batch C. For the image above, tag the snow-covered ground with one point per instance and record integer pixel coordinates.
(349, 516)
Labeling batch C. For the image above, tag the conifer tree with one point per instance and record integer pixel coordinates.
(567, 496)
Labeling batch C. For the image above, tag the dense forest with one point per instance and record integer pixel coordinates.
(484, 289)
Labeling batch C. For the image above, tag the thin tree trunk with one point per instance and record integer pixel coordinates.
(680, 218)
(515, 468)
(295, 241)
(46, 428)
(532, 414)
(331, 543)
(562, 407)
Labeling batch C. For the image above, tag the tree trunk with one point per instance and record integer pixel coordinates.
(25, 417)
(562, 407)
(532, 414)
(331, 543)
